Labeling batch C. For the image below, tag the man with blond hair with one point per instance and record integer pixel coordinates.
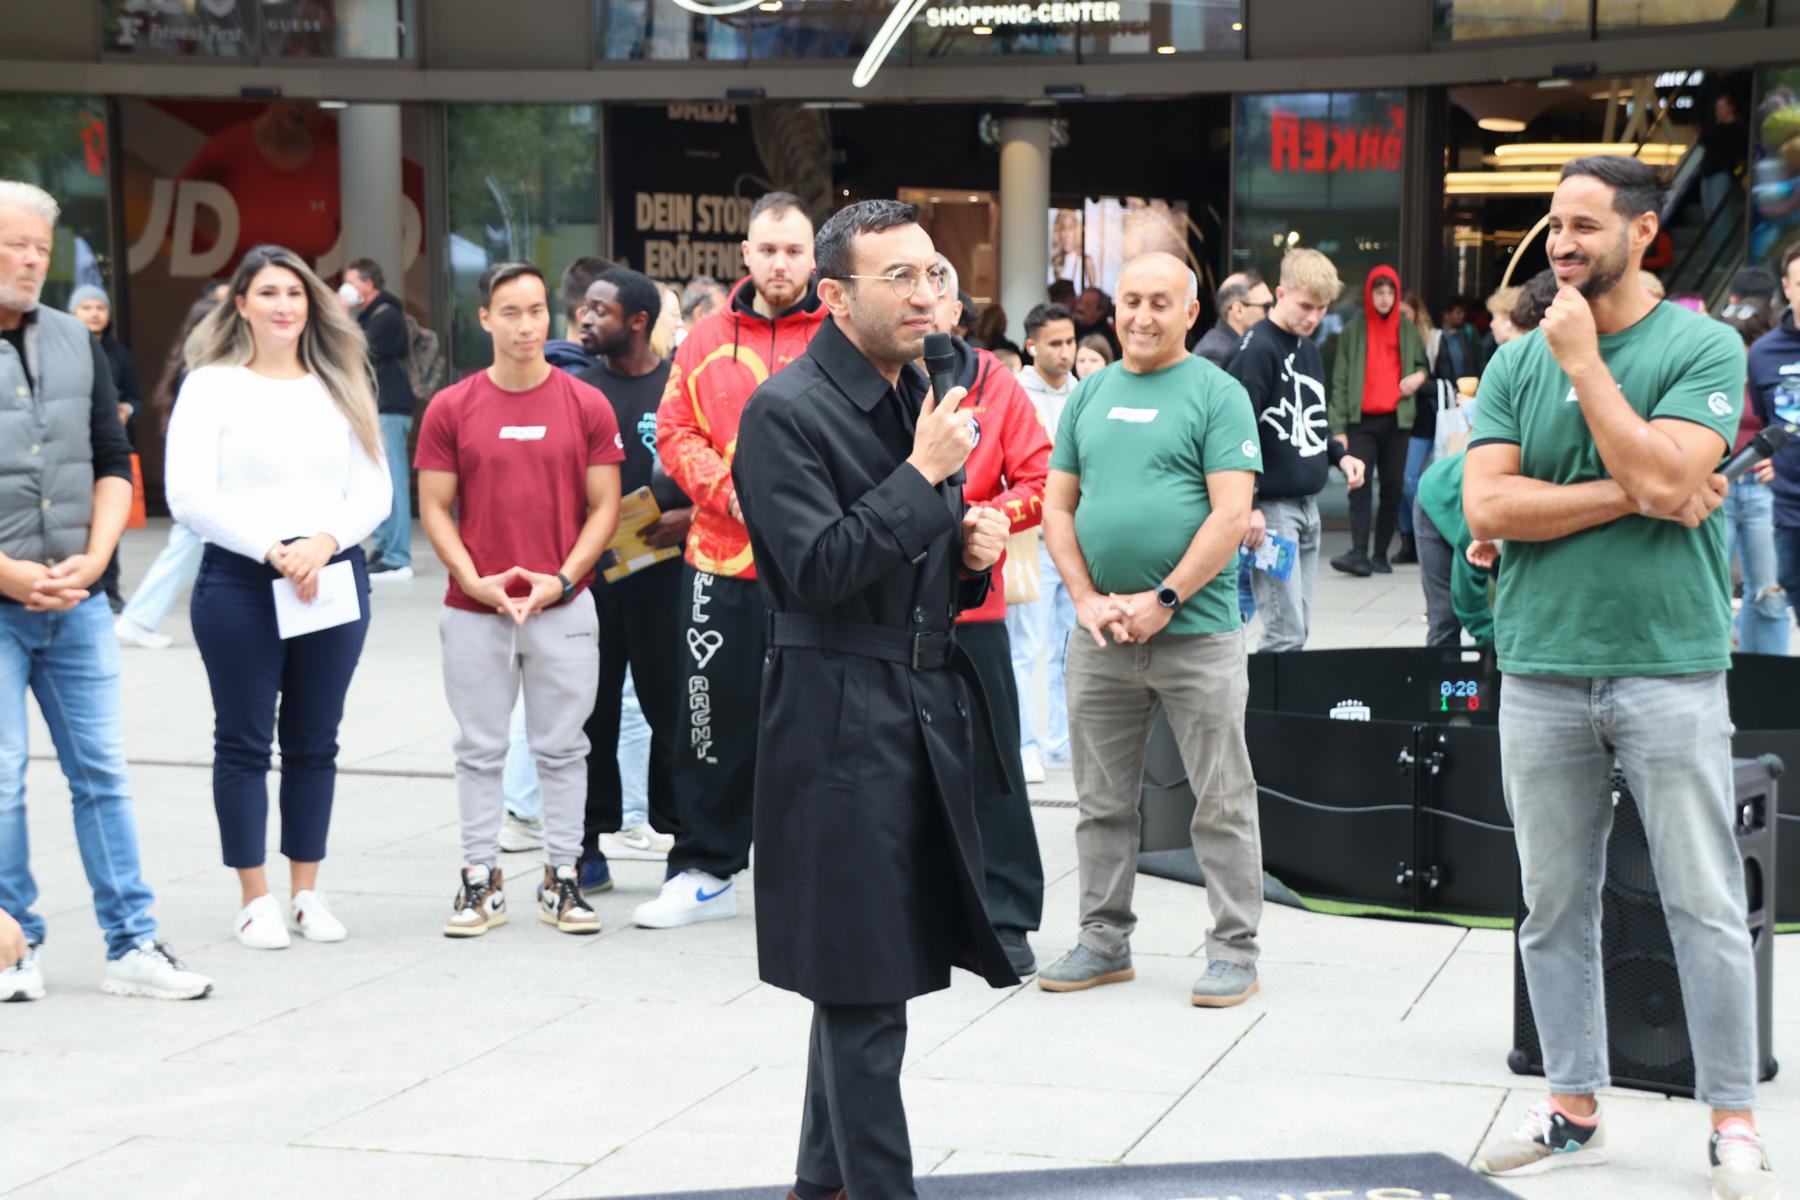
(1280, 367)
(1149, 494)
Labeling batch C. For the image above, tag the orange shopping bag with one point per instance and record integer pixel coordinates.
(139, 517)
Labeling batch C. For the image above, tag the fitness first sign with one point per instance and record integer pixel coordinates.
(963, 16)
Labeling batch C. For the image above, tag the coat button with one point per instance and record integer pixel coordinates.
(962, 710)
(926, 716)
(35, 447)
(44, 504)
(24, 391)
(918, 616)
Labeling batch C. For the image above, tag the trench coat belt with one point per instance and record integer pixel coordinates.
(924, 651)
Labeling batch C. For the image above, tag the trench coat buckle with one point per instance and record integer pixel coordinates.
(918, 645)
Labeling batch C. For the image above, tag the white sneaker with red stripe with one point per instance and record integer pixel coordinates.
(315, 920)
(260, 927)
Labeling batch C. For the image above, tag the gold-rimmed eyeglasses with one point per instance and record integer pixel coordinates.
(905, 281)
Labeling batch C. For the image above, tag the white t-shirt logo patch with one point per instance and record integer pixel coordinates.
(522, 433)
(1720, 404)
(1137, 416)
(1249, 449)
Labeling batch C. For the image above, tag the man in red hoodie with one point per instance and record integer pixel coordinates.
(766, 324)
(1379, 367)
(1005, 471)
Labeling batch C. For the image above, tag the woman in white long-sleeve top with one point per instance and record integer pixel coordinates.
(274, 458)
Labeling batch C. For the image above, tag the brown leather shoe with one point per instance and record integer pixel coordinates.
(840, 1194)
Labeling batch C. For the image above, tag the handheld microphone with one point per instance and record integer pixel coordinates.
(1763, 445)
(940, 364)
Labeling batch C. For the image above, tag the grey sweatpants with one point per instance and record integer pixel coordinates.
(1202, 681)
(556, 656)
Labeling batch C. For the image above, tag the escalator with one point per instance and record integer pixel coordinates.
(1705, 218)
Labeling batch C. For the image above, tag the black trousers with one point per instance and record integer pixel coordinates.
(722, 643)
(640, 627)
(1009, 846)
(853, 1130)
(1381, 444)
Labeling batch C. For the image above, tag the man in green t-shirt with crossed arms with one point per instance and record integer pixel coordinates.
(1594, 456)
(1148, 497)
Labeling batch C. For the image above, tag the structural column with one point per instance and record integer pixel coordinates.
(1024, 218)
(369, 162)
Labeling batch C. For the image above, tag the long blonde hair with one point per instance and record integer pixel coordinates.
(331, 344)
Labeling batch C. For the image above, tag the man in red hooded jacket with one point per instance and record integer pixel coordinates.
(1379, 367)
(1005, 471)
(765, 325)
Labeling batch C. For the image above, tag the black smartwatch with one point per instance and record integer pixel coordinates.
(568, 586)
(1168, 597)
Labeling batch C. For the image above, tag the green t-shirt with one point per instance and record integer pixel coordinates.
(1143, 445)
(1636, 596)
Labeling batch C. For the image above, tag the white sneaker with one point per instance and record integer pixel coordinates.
(314, 919)
(637, 841)
(397, 575)
(260, 927)
(23, 980)
(689, 897)
(517, 836)
(151, 969)
(131, 633)
(1034, 766)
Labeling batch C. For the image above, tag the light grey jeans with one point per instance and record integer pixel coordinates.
(1671, 736)
(1286, 604)
(555, 655)
(1202, 682)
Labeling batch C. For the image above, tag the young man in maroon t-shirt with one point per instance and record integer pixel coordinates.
(519, 493)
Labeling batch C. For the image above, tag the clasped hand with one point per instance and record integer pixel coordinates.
(300, 562)
(1136, 617)
(50, 589)
(491, 590)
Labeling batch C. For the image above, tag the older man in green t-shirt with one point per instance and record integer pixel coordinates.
(1149, 495)
(1594, 457)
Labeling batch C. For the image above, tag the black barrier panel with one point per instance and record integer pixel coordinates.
(1336, 801)
(1465, 831)
(1415, 684)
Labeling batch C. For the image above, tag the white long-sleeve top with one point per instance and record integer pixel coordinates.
(252, 461)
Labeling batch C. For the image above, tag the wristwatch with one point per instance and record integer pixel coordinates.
(568, 586)
(1168, 597)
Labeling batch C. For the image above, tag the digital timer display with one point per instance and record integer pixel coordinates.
(1459, 695)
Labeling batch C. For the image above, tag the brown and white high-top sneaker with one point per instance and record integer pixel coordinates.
(480, 904)
(560, 903)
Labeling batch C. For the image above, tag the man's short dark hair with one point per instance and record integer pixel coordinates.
(1534, 300)
(832, 247)
(504, 272)
(369, 269)
(577, 277)
(774, 204)
(1229, 295)
(1636, 187)
(1755, 283)
(1787, 258)
(636, 293)
(1042, 315)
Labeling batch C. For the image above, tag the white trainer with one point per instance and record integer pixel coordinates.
(687, 898)
(131, 633)
(151, 969)
(315, 920)
(1034, 765)
(637, 842)
(518, 836)
(260, 927)
(397, 575)
(24, 980)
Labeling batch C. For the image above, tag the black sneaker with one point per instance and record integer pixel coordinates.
(1018, 952)
(1408, 554)
(1380, 566)
(1353, 563)
(379, 565)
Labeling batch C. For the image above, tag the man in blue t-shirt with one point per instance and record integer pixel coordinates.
(1149, 495)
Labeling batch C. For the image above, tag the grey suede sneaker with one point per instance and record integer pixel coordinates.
(1225, 985)
(1082, 968)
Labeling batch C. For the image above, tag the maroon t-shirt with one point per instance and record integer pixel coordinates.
(521, 461)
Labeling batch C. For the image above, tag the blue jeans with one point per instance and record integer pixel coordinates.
(1671, 736)
(393, 539)
(70, 662)
(174, 569)
(1762, 625)
(1418, 452)
(1045, 621)
(520, 776)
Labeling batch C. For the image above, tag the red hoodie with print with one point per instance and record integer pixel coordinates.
(1007, 468)
(721, 362)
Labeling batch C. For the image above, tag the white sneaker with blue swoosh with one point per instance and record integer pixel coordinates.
(688, 897)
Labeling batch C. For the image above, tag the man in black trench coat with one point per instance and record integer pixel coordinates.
(868, 874)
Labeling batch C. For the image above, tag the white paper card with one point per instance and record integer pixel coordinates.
(336, 604)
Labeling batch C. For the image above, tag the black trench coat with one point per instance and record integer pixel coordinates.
(868, 863)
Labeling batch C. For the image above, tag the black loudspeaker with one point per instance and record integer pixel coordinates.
(1646, 1023)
